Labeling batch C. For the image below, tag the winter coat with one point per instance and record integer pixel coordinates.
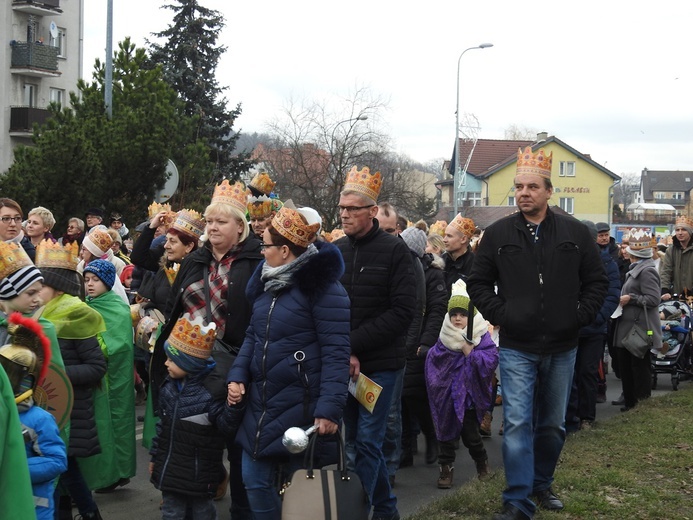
(459, 269)
(436, 307)
(414, 330)
(47, 458)
(379, 279)
(285, 388)
(676, 269)
(546, 291)
(85, 366)
(598, 326)
(192, 269)
(642, 284)
(189, 443)
(143, 254)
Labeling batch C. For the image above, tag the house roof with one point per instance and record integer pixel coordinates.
(488, 153)
(665, 180)
(510, 159)
(484, 216)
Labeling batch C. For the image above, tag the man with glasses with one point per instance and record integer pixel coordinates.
(11, 217)
(379, 279)
(93, 217)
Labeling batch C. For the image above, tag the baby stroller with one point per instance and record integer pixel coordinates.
(676, 335)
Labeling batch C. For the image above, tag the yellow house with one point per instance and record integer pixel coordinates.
(581, 187)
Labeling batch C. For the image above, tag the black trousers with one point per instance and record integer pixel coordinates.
(471, 438)
(636, 377)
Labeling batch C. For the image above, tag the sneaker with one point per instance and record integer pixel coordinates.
(445, 478)
(485, 427)
(482, 469)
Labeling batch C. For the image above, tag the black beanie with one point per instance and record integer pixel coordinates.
(63, 280)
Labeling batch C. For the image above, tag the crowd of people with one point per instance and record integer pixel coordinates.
(248, 319)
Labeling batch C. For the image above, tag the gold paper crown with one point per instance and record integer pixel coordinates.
(337, 234)
(639, 239)
(193, 337)
(262, 183)
(361, 181)
(438, 228)
(534, 163)
(289, 223)
(49, 254)
(12, 258)
(684, 221)
(232, 194)
(155, 208)
(190, 222)
(463, 225)
(259, 207)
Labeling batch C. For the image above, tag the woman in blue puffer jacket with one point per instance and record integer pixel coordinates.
(293, 366)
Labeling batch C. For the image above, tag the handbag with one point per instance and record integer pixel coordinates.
(637, 340)
(323, 494)
(223, 354)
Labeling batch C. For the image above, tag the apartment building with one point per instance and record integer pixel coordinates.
(41, 63)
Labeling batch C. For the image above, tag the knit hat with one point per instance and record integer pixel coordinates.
(126, 272)
(602, 227)
(98, 242)
(190, 344)
(685, 223)
(64, 280)
(415, 240)
(459, 302)
(594, 230)
(17, 272)
(104, 270)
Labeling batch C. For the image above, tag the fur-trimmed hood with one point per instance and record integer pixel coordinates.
(313, 278)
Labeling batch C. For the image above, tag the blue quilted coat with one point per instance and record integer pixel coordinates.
(294, 361)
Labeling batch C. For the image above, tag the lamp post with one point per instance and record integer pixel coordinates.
(337, 159)
(455, 179)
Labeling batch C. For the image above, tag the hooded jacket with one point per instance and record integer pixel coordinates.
(676, 269)
(546, 291)
(294, 361)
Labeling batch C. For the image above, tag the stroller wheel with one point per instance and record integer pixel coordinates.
(675, 381)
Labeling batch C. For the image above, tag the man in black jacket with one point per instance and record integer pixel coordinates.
(550, 283)
(458, 254)
(379, 280)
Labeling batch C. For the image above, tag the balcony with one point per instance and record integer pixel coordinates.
(34, 59)
(22, 120)
(37, 7)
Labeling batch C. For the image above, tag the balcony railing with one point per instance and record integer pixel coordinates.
(22, 119)
(37, 7)
(34, 55)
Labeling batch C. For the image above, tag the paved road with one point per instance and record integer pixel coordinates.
(414, 487)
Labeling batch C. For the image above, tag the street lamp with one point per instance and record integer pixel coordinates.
(457, 126)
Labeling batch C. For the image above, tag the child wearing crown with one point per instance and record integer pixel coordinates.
(26, 358)
(459, 370)
(189, 441)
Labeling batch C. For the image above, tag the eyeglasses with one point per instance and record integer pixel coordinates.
(264, 246)
(7, 220)
(353, 209)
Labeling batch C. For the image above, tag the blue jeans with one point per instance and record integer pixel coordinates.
(535, 397)
(261, 479)
(364, 433)
(175, 506)
(392, 444)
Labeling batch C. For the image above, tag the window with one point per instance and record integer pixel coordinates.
(474, 198)
(511, 201)
(59, 41)
(567, 204)
(566, 169)
(30, 92)
(57, 96)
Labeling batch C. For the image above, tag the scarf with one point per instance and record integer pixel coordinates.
(279, 278)
(72, 318)
(453, 338)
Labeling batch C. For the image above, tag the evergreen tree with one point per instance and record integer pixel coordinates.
(189, 57)
(82, 159)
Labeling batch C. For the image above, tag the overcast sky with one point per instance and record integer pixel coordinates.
(611, 78)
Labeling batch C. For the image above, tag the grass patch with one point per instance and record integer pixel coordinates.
(637, 465)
